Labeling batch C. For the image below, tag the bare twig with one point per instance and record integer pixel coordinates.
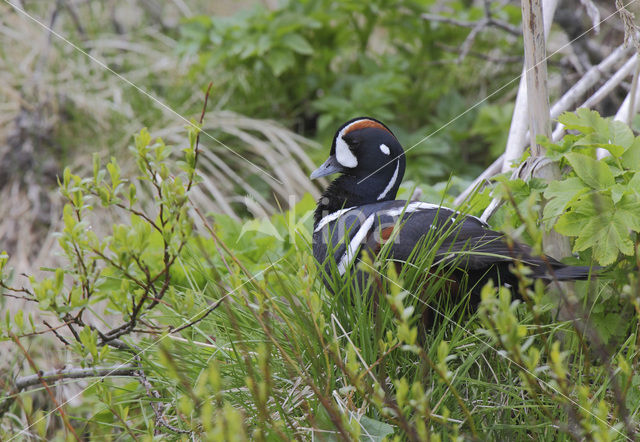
(480, 55)
(55, 332)
(42, 381)
(476, 27)
(195, 161)
(214, 306)
(491, 21)
(156, 404)
(74, 373)
(632, 95)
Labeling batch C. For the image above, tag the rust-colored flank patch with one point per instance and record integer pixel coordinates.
(364, 124)
(385, 233)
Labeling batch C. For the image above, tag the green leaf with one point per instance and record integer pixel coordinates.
(609, 325)
(19, 320)
(602, 226)
(594, 173)
(631, 158)
(584, 120)
(634, 185)
(279, 61)
(620, 134)
(375, 430)
(560, 195)
(298, 43)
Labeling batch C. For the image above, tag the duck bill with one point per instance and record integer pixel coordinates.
(329, 167)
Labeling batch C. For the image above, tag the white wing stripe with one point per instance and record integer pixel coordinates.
(412, 207)
(350, 254)
(331, 217)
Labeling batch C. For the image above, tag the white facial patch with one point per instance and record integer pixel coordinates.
(385, 149)
(343, 154)
(392, 182)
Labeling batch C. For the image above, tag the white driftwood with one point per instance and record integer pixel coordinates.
(604, 90)
(588, 80)
(629, 106)
(535, 55)
(611, 83)
(565, 103)
(554, 244)
(517, 140)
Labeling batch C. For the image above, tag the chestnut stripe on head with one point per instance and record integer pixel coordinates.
(362, 124)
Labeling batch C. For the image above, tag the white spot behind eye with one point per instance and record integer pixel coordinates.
(385, 149)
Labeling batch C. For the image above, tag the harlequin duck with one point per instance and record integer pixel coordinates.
(358, 213)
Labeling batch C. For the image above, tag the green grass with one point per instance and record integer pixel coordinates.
(239, 338)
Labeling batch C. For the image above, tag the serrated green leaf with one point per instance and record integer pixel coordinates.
(584, 120)
(602, 226)
(620, 134)
(631, 158)
(280, 60)
(560, 194)
(594, 173)
(298, 43)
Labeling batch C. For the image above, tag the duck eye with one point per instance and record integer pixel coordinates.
(352, 142)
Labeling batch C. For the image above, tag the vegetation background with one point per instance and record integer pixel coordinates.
(158, 282)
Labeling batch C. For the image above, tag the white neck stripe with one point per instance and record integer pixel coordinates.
(391, 183)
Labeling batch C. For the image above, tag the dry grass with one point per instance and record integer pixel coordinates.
(59, 107)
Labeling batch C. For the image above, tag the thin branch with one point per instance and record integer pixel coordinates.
(508, 27)
(25, 382)
(480, 55)
(156, 404)
(75, 373)
(55, 332)
(39, 379)
(204, 315)
(195, 160)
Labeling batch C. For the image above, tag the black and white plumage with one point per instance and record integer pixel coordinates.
(358, 213)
